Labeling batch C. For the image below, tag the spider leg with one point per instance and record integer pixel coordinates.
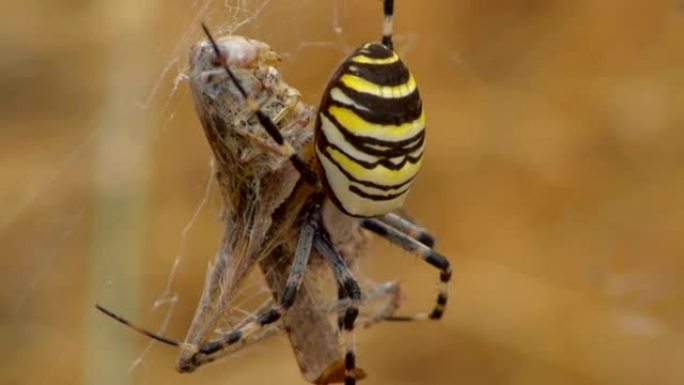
(348, 287)
(272, 130)
(403, 223)
(267, 317)
(414, 246)
(341, 297)
(388, 10)
(386, 294)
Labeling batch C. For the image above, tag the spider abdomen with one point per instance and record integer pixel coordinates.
(370, 132)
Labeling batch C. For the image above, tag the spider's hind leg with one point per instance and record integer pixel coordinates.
(408, 236)
(387, 25)
(402, 222)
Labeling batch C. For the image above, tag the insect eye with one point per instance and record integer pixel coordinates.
(216, 61)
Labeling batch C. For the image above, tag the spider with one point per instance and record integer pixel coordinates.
(369, 140)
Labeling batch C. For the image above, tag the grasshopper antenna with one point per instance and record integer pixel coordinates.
(271, 129)
(154, 336)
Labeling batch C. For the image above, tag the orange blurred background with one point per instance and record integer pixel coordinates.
(553, 178)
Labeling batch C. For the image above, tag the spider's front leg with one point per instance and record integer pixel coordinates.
(347, 287)
(301, 258)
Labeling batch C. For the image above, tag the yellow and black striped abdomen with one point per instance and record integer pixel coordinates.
(370, 132)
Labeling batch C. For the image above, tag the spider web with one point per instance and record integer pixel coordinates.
(141, 250)
(552, 179)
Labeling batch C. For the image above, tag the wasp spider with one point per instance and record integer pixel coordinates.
(368, 147)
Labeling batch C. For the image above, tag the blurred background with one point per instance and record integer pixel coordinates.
(553, 179)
